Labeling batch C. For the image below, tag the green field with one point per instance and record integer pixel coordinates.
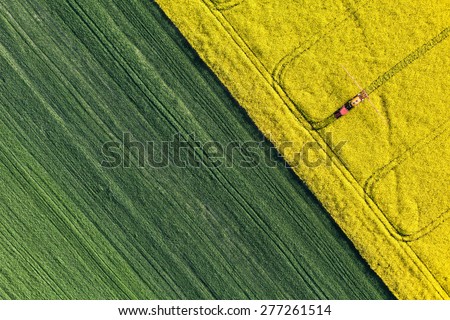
(76, 74)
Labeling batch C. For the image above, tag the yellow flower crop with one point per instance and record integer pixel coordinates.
(285, 62)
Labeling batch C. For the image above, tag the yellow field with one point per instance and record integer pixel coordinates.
(285, 62)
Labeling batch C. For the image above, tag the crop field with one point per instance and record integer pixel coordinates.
(369, 74)
(76, 74)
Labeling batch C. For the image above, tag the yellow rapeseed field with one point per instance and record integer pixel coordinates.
(293, 64)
